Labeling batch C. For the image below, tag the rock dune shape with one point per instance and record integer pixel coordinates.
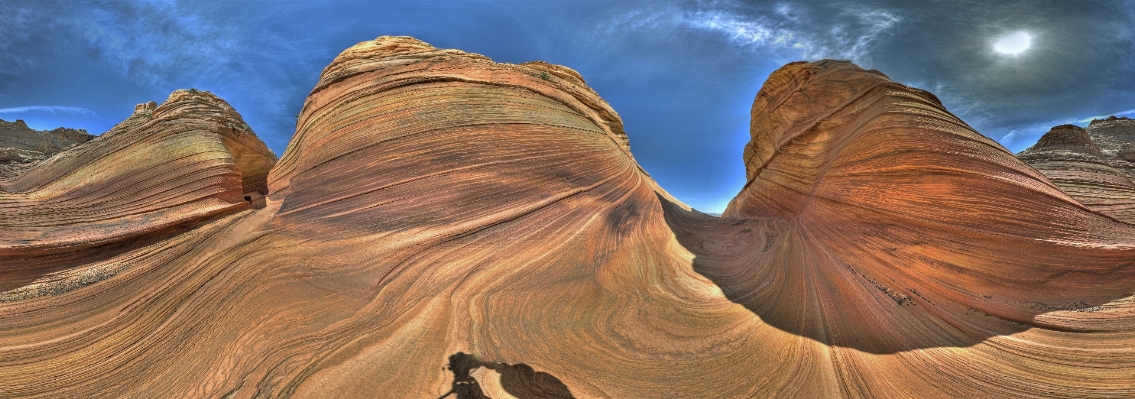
(443, 225)
(161, 169)
(1068, 156)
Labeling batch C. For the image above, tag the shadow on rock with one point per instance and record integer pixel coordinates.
(795, 281)
(519, 380)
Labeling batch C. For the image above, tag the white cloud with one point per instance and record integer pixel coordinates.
(780, 28)
(1120, 113)
(785, 11)
(863, 27)
(155, 40)
(749, 32)
(640, 19)
(48, 109)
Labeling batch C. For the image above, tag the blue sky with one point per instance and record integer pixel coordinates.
(682, 74)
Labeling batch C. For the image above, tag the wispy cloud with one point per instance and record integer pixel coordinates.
(151, 41)
(861, 27)
(752, 31)
(1120, 113)
(959, 102)
(780, 28)
(156, 41)
(48, 109)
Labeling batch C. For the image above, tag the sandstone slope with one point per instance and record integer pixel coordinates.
(436, 208)
(163, 168)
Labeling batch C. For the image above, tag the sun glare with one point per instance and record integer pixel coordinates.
(1013, 43)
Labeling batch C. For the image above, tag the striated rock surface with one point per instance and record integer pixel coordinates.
(1112, 133)
(444, 225)
(894, 229)
(157, 171)
(1116, 139)
(1098, 176)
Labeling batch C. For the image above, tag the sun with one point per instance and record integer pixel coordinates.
(1013, 43)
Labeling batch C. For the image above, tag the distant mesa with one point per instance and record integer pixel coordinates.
(1093, 165)
(445, 225)
(20, 144)
(1111, 133)
(1111, 119)
(1067, 138)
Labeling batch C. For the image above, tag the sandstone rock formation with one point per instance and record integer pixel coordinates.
(21, 145)
(1098, 176)
(443, 225)
(170, 166)
(1111, 133)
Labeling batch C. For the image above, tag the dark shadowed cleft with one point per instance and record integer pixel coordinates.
(519, 380)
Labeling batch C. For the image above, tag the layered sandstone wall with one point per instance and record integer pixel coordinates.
(164, 167)
(1095, 166)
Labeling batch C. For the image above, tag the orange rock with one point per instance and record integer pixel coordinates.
(443, 224)
(184, 162)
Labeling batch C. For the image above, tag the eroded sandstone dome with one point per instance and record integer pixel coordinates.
(1099, 178)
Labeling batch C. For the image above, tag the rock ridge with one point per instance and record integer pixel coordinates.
(1098, 176)
(21, 144)
(183, 162)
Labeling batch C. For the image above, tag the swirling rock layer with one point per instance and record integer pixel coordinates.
(159, 170)
(436, 208)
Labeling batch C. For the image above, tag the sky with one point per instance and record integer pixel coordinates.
(682, 74)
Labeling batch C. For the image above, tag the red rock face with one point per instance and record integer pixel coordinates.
(436, 208)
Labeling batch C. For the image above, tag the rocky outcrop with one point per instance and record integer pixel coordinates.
(1116, 138)
(21, 144)
(1111, 133)
(1066, 138)
(1069, 158)
(891, 226)
(174, 165)
(444, 224)
(1098, 177)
